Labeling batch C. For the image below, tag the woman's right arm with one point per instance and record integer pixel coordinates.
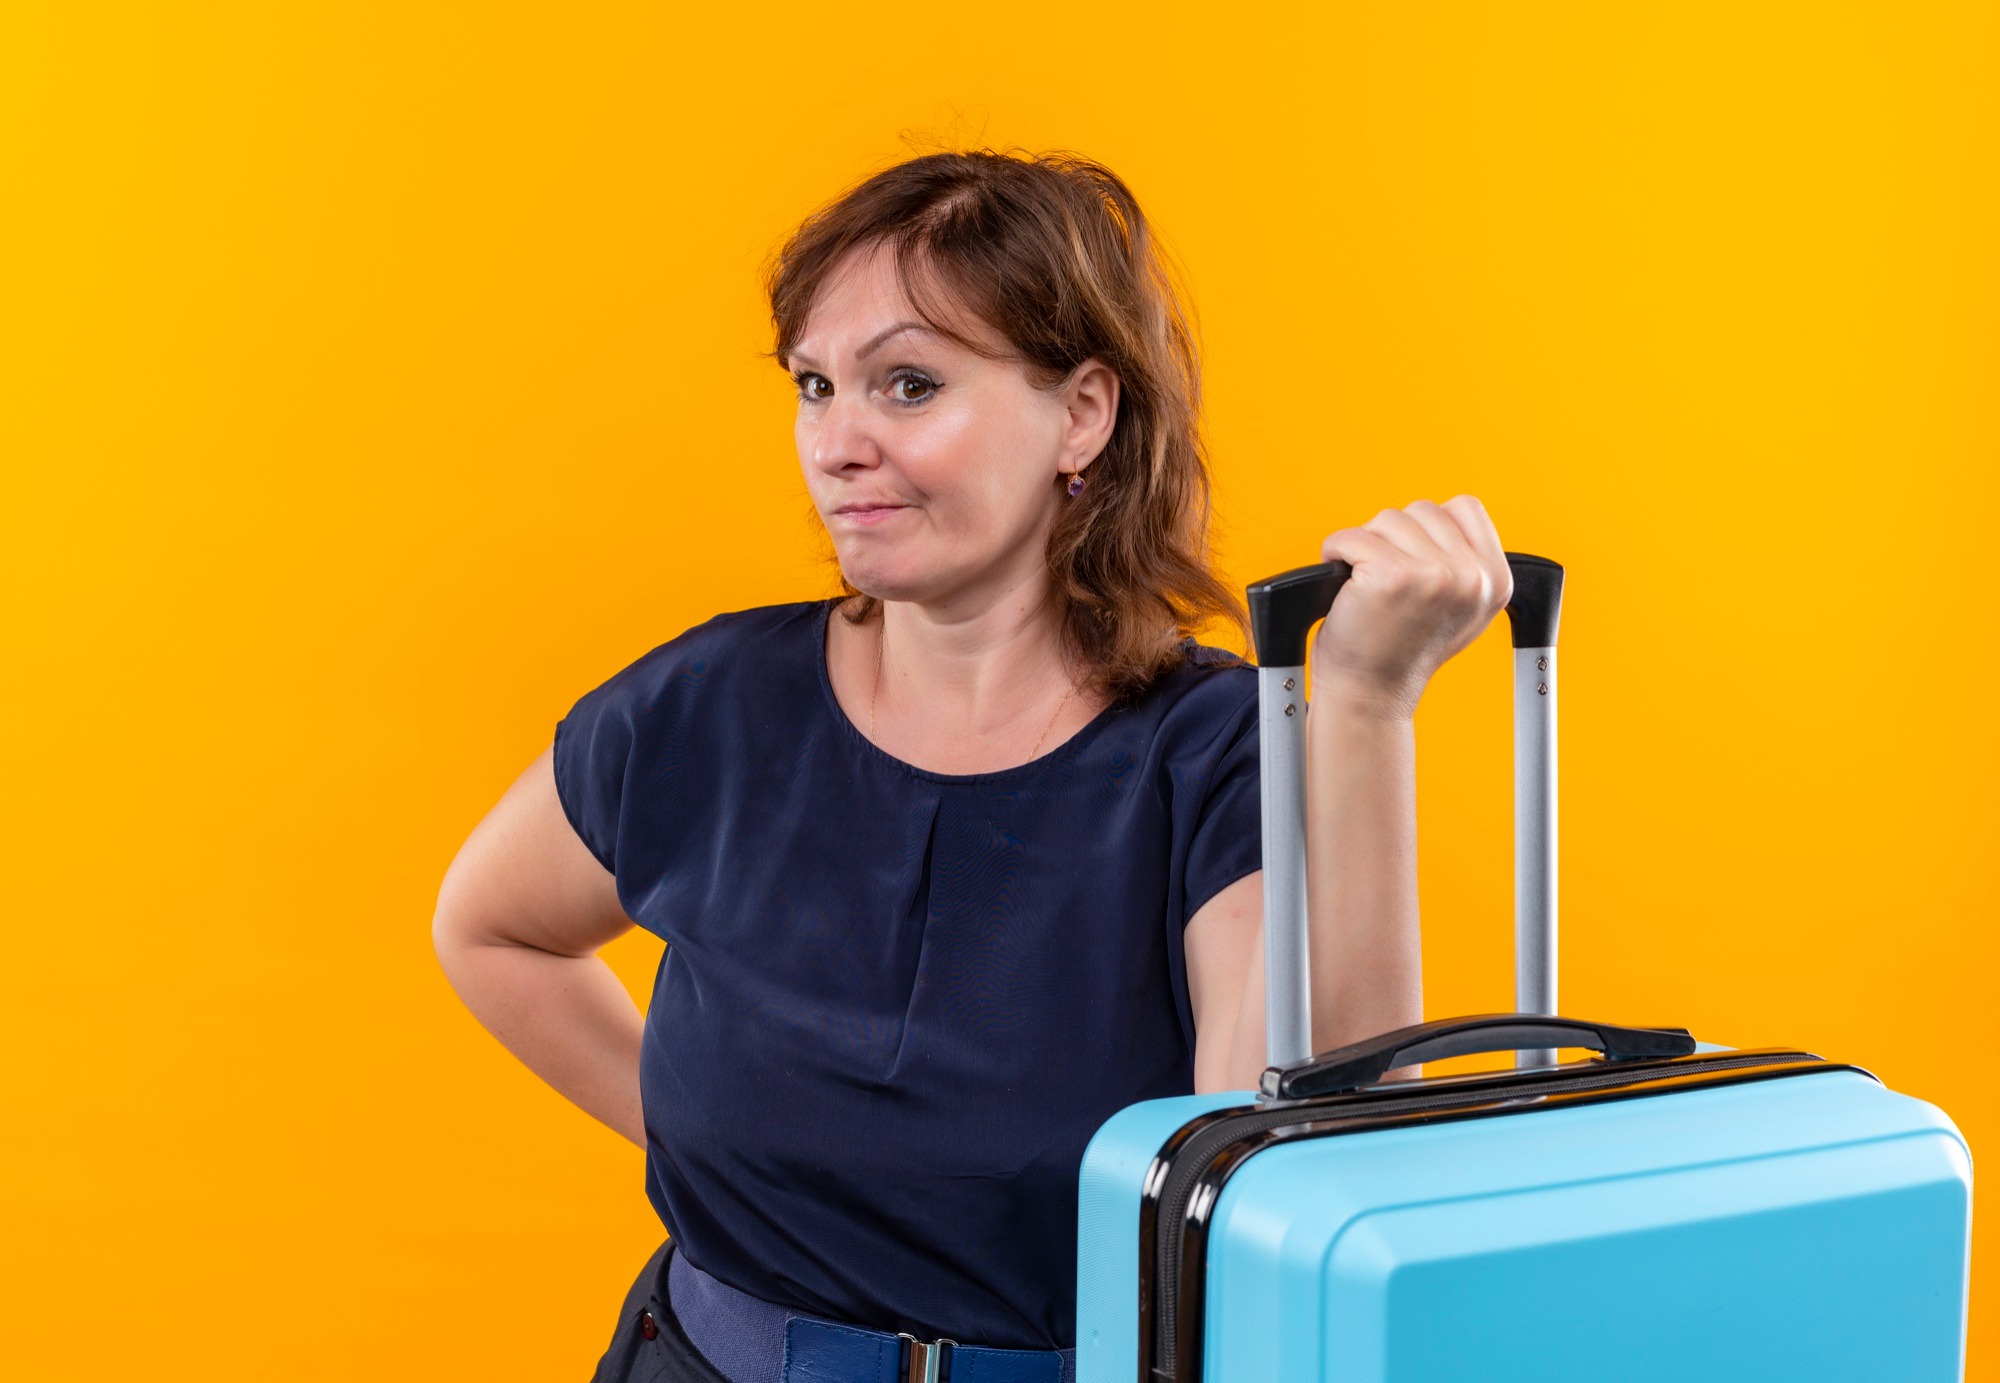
(520, 917)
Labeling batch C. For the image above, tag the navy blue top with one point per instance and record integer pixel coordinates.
(895, 1005)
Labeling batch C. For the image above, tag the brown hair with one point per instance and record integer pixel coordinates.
(1052, 252)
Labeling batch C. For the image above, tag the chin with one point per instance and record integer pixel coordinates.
(886, 590)
(899, 581)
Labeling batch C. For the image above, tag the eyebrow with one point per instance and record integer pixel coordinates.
(873, 344)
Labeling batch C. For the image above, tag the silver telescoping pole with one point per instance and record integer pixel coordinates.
(1535, 611)
(1283, 610)
(1281, 749)
(1535, 839)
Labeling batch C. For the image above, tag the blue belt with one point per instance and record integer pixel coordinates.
(818, 1351)
(750, 1340)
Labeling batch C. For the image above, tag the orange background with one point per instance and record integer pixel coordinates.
(376, 379)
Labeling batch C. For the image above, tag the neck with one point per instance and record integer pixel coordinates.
(978, 663)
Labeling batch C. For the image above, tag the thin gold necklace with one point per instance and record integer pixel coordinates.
(875, 694)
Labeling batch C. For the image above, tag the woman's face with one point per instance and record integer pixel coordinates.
(933, 467)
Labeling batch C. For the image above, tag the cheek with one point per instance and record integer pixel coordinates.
(984, 465)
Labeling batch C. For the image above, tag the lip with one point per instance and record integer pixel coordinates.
(868, 513)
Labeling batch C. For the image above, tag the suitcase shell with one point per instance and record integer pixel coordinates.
(1713, 1215)
(1811, 1226)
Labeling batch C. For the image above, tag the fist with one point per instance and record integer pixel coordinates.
(1427, 580)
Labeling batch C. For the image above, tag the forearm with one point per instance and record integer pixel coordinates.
(1365, 947)
(568, 1018)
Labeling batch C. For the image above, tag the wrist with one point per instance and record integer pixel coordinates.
(1354, 697)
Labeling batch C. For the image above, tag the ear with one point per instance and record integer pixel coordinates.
(1090, 400)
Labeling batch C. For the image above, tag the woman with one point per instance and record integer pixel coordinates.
(953, 867)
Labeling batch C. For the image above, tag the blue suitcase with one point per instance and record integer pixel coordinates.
(1666, 1209)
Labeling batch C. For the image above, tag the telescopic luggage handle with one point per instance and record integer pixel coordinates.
(1283, 610)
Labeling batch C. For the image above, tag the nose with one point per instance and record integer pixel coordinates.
(839, 439)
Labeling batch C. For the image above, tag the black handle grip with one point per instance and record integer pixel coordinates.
(1364, 1063)
(1284, 608)
(1537, 605)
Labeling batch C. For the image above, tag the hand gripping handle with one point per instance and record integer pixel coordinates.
(1283, 610)
(1364, 1063)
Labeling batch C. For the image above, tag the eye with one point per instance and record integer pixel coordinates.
(911, 387)
(812, 387)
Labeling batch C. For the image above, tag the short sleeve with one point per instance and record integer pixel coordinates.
(592, 755)
(1228, 840)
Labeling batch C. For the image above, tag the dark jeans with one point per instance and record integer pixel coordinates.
(665, 1357)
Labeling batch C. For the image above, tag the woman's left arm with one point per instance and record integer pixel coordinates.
(1427, 580)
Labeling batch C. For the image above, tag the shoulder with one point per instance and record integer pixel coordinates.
(728, 646)
(1200, 655)
(668, 714)
(740, 661)
(1204, 679)
(1203, 703)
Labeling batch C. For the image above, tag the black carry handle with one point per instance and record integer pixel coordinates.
(1283, 608)
(1364, 1063)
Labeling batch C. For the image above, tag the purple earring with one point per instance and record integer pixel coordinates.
(1076, 485)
